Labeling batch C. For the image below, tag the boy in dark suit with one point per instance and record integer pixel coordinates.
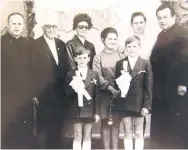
(137, 101)
(82, 88)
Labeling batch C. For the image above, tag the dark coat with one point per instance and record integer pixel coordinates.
(49, 80)
(169, 61)
(140, 91)
(90, 108)
(70, 48)
(16, 104)
(166, 58)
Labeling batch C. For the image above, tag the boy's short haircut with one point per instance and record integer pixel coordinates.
(81, 50)
(131, 39)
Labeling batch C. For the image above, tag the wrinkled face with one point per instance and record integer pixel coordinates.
(82, 29)
(82, 60)
(133, 49)
(138, 24)
(110, 41)
(165, 19)
(49, 30)
(16, 25)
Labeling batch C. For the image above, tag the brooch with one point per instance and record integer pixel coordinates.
(94, 81)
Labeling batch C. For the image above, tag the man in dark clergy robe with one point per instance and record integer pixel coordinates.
(49, 67)
(170, 69)
(16, 104)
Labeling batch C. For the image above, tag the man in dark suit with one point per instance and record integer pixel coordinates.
(169, 65)
(16, 101)
(49, 69)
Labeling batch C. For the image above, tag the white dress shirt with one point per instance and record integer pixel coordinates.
(83, 72)
(132, 61)
(52, 46)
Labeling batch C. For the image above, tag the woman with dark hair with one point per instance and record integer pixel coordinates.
(82, 23)
(104, 63)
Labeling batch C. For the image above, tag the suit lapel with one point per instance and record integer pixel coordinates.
(138, 67)
(89, 77)
(46, 50)
(58, 50)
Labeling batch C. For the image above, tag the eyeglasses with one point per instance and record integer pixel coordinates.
(50, 26)
(82, 27)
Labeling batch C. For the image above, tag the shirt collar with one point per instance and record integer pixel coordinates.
(47, 39)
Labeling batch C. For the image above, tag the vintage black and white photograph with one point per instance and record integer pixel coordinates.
(94, 74)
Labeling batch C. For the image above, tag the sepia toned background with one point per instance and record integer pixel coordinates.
(104, 13)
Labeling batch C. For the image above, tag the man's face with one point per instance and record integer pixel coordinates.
(82, 60)
(133, 49)
(138, 24)
(165, 19)
(82, 29)
(50, 30)
(16, 25)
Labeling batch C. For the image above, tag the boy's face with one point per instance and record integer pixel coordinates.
(82, 60)
(133, 49)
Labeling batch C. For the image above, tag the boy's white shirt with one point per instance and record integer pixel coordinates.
(132, 61)
(83, 72)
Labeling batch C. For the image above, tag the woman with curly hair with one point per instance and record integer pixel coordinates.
(82, 23)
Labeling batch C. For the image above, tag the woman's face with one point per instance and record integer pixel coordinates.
(138, 24)
(82, 29)
(110, 41)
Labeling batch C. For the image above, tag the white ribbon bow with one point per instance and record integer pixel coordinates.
(78, 85)
(123, 82)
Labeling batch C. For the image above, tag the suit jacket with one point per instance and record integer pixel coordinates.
(70, 48)
(140, 91)
(90, 107)
(49, 78)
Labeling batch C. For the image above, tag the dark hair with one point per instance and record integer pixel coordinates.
(163, 6)
(82, 17)
(106, 31)
(79, 50)
(15, 13)
(132, 39)
(135, 14)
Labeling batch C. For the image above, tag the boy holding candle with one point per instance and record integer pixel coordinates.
(82, 88)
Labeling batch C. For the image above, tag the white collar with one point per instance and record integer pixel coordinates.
(132, 61)
(47, 39)
(83, 71)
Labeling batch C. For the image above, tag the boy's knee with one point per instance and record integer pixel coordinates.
(139, 135)
(77, 137)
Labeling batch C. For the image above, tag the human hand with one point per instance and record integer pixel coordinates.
(144, 112)
(35, 101)
(181, 89)
(113, 91)
(96, 118)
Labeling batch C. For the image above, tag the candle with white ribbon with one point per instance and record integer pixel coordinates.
(78, 84)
